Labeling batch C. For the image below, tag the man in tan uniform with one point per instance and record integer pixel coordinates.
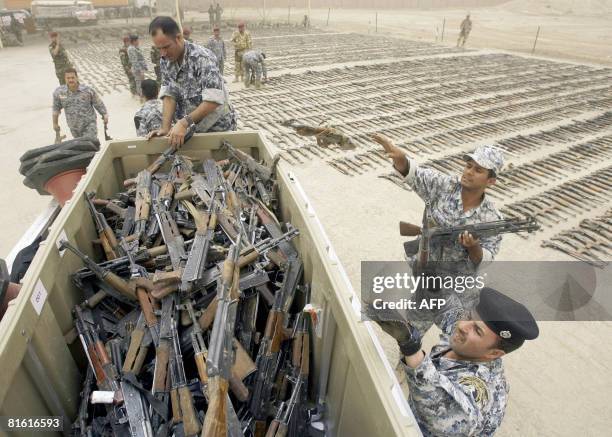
(242, 43)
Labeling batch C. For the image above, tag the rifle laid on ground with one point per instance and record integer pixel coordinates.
(325, 135)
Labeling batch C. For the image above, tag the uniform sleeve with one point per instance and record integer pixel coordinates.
(153, 120)
(212, 82)
(443, 406)
(132, 56)
(57, 103)
(490, 245)
(249, 41)
(426, 182)
(168, 87)
(97, 103)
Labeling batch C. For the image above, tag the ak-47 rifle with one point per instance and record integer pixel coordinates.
(142, 202)
(253, 166)
(105, 233)
(270, 346)
(191, 424)
(430, 233)
(221, 353)
(104, 275)
(325, 135)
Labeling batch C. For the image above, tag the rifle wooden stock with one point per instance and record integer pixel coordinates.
(191, 424)
(215, 424)
(94, 300)
(97, 366)
(132, 352)
(184, 195)
(120, 285)
(408, 229)
(146, 306)
(200, 360)
(162, 356)
(272, 429)
(176, 407)
(282, 430)
(260, 428)
(138, 363)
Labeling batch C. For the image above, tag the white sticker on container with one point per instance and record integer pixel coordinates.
(39, 296)
(62, 237)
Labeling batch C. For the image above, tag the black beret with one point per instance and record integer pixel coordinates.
(506, 317)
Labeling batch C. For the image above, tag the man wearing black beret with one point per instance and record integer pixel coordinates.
(459, 388)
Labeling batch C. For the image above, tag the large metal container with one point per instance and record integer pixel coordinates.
(41, 374)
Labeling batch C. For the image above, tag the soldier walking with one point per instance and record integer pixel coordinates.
(125, 63)
(193, 91)
(79, 103)
(137, 61)
(59, 56)
(217, 46)
(253, 64)
(242, 42)
(466, 28)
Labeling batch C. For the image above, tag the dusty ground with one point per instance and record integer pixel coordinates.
(559, 384)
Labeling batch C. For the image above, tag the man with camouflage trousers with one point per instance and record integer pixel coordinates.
(59, 56)
(242, 42)
(125, 63)
(193, 91)
(78, 102)
(137, 61)
(155, 58)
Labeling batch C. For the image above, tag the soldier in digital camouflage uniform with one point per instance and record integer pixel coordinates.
(149, 117)
(459, 388)
(137, 61)
(125, 63)
(59, 56)
(254, 63)
(79, 103)
(155, 58)
(242, 42)
(193, 91)
(217, 46)
(455, 201)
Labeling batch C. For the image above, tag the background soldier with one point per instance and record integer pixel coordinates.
(125, 63)
(218, 14)
(253, 63)
(193, 91)
(137, 60)
(460, 389)
(78, 102)
(466, 28)
(211, 15)
(149, 117)
(242, 42)
(155, 58)
(16, 29)
(59, 56)
(187, 34)
(217, 46)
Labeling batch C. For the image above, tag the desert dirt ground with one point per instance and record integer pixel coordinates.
(559, 384)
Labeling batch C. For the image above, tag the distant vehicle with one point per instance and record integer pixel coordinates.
(119, 8)
(24, 21)
(63, 13)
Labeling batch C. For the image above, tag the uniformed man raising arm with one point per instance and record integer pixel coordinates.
(459, 388)
(456, 201)
(78, 102)
(192, 90)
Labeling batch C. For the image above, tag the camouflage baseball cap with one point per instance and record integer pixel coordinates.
(489, 157)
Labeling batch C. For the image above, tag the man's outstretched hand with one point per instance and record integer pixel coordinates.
(395, 153)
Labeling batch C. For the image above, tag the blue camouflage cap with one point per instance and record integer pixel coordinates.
(489, 157)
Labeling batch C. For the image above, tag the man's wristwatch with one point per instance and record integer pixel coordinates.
(188, 120)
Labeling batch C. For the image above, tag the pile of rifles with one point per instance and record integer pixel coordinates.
(195, 324)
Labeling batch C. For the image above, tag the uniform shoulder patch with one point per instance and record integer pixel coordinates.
(478, 387)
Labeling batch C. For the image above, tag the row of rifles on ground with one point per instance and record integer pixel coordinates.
(195, 323)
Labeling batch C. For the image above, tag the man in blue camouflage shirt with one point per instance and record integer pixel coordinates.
(193, 90)
(80, 103)
(459, 388)
(149, 117)
(455, 201)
